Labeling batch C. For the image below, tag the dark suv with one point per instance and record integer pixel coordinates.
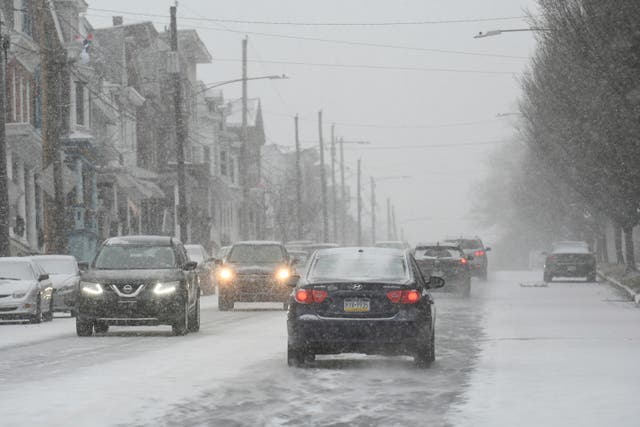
(139, 280)
(254, 272)
(445, 260)
(479, 265)
(570, 259)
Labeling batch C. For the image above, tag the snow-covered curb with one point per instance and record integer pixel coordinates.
(635, 296)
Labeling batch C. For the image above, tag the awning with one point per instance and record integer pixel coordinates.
(139, 189)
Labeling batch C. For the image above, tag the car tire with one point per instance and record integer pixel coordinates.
(84, 328)
(224, 302)
(426, 352)
(180, 325)
(37, 317)
(194, 320)
(297, 357)
(547, 277)
(49, 316)
(101, 328)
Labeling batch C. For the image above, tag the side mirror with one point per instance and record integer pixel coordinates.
(487, 249)
(189, 266)
(545, 253)
(43, 277)
(293, 280)
(83, 266)
(436, 282)
(470, 258)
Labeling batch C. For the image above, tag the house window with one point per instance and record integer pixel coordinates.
(80, 119)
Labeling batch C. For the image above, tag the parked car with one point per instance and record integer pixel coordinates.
(362, 300)
(139, 280)
(310, 249)
(297, 245)
(570, 259)
(205, 269)
(479, 265)
(65, 277)
(26, 291)
(254, 272)
(397, 244)
(448, 261)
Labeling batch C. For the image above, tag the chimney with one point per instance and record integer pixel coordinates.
(117, 20)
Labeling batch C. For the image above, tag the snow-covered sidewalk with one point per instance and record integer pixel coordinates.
(562, 355)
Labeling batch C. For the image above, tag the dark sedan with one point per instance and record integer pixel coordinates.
(446, 260)
(139, 280)
(254, 272)
(570, 259)
(362, 300)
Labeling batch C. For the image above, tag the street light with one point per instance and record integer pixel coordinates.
(492, 33)
(226, 82)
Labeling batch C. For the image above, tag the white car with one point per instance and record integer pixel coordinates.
(65, 277)
(26, 291)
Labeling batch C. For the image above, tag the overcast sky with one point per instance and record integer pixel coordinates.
(394, 109)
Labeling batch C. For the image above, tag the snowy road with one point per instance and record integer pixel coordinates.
(513, 353)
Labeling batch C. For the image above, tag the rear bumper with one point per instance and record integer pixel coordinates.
(319, 335)
(265, 290)
(570, 270)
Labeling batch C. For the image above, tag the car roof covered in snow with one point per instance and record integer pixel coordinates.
(142, 240)
(258, 242)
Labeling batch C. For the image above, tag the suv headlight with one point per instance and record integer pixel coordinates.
(165, 288)
(91, 288)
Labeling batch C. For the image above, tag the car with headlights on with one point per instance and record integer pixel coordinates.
(26, 292)
(139, 280)
(255, 271)
(570, 259)
(205, 268)
(448, 261)
(65, 277)
(362, 300)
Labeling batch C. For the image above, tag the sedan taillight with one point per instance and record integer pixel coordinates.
(404, 297)
(310, 296)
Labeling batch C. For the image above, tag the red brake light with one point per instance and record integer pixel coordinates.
(404, 297)
(479, 253)
(319, 296)
(463, 261)
(306, 296)
(394, 296)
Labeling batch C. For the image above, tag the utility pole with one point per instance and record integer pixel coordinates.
(393, 218)
(343, 189)
(359, 203)
(323, 182)
(373, 211)
(52, 59)
(334, 196)
(5, 245)
(298, 185)
(181, 132)
(244, 214)
(389, 232)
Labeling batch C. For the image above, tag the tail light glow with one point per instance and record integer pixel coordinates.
(310, 296)
(479, 253)
(463, 261)
(404, 297)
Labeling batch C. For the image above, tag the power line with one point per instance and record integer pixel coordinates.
(332, 41)
(374, 67)
(422, 146)
(329, 24)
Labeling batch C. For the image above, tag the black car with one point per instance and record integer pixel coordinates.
(362, 300)
(479, 265)
(139, 280)
(448, 261)
(254, 272)
(570, 259)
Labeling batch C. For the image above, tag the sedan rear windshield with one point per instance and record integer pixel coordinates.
(437, 252)
(135, 258)
(15, 270)
(469, 244)
(359, 267)
(256, 254)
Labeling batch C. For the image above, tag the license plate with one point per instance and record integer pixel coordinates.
(571, 268)
(357, 305)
